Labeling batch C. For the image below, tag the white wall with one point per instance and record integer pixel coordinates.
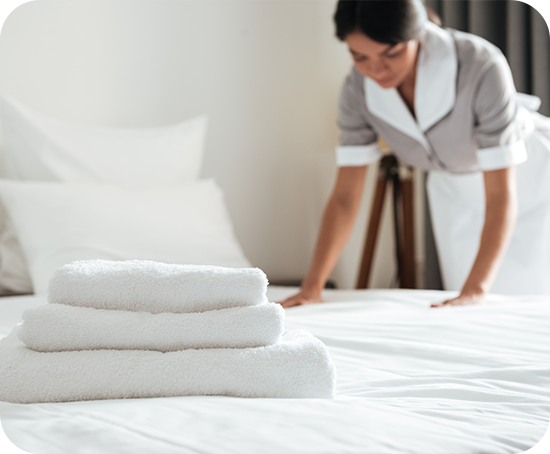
(267, 72)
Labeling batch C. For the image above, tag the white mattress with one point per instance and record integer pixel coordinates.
(410, 380)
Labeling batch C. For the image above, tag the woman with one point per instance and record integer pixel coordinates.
(444, 101)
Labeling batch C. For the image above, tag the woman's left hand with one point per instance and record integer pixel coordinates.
(463, 299)
(500, 218)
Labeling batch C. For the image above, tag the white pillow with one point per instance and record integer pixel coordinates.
(41, 148)
(58, 223)
(46, 149)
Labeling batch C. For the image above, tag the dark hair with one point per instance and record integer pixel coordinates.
(385, 21)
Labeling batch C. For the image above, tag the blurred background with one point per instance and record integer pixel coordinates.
(267, 73)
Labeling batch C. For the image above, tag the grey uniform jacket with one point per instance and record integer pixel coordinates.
(468, 117)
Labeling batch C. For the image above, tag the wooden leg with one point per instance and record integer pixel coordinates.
(404, 226)
(372, 233)
(408, 268)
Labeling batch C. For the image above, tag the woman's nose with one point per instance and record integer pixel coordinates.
(377, 67)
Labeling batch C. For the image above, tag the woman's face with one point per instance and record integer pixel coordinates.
(388, 65)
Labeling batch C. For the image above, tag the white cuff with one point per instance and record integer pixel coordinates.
(501, 157)
(357, 155)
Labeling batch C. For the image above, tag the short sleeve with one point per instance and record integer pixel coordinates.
(358, 142)
(499, 129)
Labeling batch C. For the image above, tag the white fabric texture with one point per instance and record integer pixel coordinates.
(297, 367)
(501, 157)
(38, 147)
(58, 223)
(143, 285)
(357, 155)
(436, 77)
(58, 327)
(410, 380)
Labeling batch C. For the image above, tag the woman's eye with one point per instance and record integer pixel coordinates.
(358, 58)
(394, 54)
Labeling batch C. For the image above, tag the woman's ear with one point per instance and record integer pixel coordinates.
(434, 17)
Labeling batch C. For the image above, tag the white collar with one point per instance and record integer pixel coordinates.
(435, 90)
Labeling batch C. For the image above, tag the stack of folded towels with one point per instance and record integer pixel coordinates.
(129, 329)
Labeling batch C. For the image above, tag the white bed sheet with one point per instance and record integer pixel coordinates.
(410, 380)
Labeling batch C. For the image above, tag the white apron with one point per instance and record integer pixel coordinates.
(458, 212)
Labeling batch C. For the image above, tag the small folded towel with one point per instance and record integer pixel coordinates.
(297, 367)
(58, 327)
(142, 285)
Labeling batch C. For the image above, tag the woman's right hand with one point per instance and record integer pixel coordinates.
(301, 298)
(338, 219)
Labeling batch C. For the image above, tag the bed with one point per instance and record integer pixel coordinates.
(410, 380)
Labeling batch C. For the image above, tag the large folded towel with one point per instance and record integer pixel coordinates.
(142, 285)
(58, 327)
(297, 367)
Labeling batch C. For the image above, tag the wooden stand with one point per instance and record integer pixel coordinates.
(402, 183)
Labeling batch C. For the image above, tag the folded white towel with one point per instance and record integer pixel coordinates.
(142, 285)
(58, 327)
(298, 367)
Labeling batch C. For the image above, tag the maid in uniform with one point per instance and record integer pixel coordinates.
(444, 101)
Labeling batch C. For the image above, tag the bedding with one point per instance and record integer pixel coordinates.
(41, 148)
(410, 379)
(58, 223)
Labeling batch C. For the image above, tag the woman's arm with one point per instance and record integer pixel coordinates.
(336, 227)
(500, 219)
